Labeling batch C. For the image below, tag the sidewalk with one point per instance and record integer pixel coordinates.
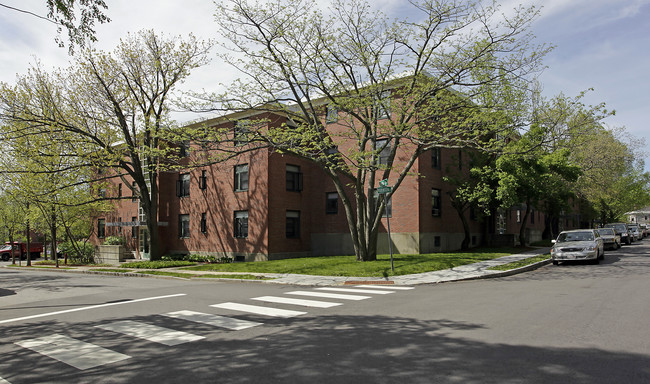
(465, 272)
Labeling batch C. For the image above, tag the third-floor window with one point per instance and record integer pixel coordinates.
(294, 178)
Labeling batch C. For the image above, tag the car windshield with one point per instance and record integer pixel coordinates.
(606, 231)
(575, 236)
(619, 227)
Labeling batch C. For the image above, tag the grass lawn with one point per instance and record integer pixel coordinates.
(348, 266)
(521, 263)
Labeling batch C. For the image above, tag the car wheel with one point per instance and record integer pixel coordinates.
(597, 259)
(5, 257)
(555, 262)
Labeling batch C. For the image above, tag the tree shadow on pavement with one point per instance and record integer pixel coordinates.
(317, 349)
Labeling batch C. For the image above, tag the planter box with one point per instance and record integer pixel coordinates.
(111, 254)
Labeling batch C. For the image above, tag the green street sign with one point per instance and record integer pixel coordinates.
(383, 183)
(384, 190)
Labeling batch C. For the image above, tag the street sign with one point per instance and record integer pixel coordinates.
(384, 190)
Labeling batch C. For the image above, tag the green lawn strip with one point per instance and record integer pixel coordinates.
(238, 277)
(520, 263)
(122, 270)
(165, 273)
(157, 264)
(348, 266)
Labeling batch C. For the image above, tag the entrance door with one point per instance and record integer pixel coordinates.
(143, 243)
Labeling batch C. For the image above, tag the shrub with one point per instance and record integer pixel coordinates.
(113, 240)
(87, 251)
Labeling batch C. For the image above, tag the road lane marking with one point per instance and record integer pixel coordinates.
(328, 295)
(150, 332)
(3, 381)
(73, 352)
(214, 320)
(393, 287)
(302, 302)
(88, 308)
(268, 311)
(355, 290)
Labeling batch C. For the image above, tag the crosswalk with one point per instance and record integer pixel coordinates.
(84, 355)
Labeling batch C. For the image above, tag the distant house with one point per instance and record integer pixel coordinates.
(641, 216)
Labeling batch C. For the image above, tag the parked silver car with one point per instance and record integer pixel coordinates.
(611, 239)
(579, 244)
(621, 229)
(635, 231)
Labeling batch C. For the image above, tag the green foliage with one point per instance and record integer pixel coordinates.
(198, 258)
(156, 264)
(86, 255)
(113, 240)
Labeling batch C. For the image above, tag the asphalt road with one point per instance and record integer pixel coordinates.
(572, 323)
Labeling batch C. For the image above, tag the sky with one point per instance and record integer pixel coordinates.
(602, 45)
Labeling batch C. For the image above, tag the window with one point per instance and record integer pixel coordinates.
(241, 177)
(184, 149)
(183, 185)
(119, 190)
(203, 180)
(332, 115)
(519, 216)
(382, 106)
(183, 226)
(134, 228)
(293, 224)
(435, 202)
(388, 211)
(436, 241)
(242, 130)
(532, 215)
(134, 191)
(384, 146)
(294, 178)
(204, 222)
(331, 203)
(102, 193)
(119, 225)
(101, 228)
(241, 224)
(435, 158)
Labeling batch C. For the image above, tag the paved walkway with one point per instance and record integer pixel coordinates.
(465, 272)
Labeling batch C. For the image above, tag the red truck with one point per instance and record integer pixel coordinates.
(20, 250)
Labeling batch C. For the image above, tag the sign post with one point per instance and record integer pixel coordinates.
(384, 189)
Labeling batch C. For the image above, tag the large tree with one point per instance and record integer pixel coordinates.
(113, 109)
(395, 88)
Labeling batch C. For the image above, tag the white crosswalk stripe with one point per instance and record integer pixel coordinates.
(389, 287)
(328, 295)
(268, 311)
(150, 332)
(214, 320)
(3, 381)
(302, 302)
(76, 353)
(356, 290)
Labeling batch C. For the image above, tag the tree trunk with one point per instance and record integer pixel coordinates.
(522, 230)
(53, 235)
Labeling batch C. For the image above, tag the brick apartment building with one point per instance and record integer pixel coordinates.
(265, 205)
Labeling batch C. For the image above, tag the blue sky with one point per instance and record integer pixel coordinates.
(599, 44)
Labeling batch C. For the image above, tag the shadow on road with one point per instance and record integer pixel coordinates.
(323, 349)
